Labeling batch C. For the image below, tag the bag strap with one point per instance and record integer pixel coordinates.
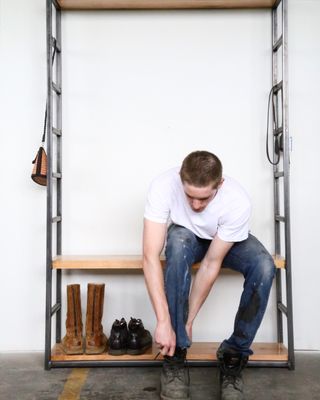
(271, 101)
(46, 112)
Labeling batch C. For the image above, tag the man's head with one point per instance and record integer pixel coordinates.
(201, 176)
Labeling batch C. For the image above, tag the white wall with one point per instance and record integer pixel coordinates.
(141, 90)
(304, 61)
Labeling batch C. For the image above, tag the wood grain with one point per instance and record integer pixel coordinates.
(202, 351)
(162, 4)
(118, 262)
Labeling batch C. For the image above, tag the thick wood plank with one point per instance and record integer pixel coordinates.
(115, 262)
(202, 351)
(162, 4)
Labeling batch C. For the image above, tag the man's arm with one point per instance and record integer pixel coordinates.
(205, 278)
(154, 234)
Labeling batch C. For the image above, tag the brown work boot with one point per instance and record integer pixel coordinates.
(96, 340)
(175, 380)
(72, 343)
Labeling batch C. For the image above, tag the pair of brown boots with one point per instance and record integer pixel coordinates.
(95, 341)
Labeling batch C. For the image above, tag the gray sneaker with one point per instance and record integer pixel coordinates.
(231, 383)
(175, 378)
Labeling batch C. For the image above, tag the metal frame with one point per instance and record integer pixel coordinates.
(54, 137)
(54, 178)
(281, 169)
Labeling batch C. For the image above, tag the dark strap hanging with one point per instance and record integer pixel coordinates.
(277, 139)
(39, 170)
(46, 112)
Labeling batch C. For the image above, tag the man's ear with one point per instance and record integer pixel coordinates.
(221, 183)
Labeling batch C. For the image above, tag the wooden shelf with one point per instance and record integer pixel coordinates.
(161, 4)
(201, 351)
(118, 262)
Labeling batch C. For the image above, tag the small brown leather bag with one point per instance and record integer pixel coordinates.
(39, 171)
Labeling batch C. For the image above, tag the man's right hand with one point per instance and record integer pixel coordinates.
(165, 338)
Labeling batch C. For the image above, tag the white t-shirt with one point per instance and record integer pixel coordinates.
(227, 214)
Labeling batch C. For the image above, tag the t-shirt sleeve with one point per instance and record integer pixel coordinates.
(157, 207)
(234, 225)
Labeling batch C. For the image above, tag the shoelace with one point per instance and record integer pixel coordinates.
(176, 370)
(231, 380)
(173, 368)
(231, 376)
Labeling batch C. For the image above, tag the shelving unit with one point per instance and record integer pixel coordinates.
(265, 354)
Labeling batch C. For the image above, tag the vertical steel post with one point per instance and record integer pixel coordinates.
(59, 170)
(277, 239)
(49, 189)
(284, 160)
(286, 182)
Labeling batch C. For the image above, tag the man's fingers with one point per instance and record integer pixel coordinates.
(161, 347)
(171, 351)
(164, 350)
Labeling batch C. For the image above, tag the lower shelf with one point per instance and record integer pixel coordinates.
(200, 351)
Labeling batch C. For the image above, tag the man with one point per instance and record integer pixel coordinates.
(209, 223)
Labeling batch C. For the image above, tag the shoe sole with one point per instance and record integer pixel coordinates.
(73, 352)
(96, 350)
(117, 352)
(135, 352)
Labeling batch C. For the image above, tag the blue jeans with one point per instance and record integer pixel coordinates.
(249, 257)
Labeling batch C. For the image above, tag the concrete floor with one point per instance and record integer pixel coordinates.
(22, 377)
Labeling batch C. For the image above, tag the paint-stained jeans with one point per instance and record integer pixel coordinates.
(249, 257)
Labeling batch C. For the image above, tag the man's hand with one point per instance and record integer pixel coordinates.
(165, 338)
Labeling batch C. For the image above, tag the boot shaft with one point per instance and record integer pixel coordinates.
(74, 317)
(72, 343)
(231, 365)
(175, 378)
(96, 340)
(95, 300)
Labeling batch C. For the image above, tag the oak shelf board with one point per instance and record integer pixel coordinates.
(199, 351)
(162, 4)
(118, 262)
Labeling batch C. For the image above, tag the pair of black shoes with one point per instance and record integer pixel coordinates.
(132, 338)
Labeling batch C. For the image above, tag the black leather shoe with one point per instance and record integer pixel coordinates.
(118, 339)
(139, 338)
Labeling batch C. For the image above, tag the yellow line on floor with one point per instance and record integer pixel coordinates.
(74, 383)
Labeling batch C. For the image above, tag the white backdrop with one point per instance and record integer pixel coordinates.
(141, 90)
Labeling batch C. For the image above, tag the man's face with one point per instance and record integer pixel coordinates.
(199, 197)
